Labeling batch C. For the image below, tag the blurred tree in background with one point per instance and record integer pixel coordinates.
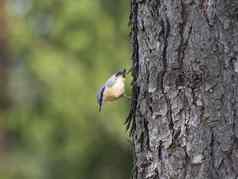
(62, 52)
(4, 69)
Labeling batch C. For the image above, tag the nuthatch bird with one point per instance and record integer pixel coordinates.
(113, 89)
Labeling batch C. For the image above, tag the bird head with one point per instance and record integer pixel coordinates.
(121, 73)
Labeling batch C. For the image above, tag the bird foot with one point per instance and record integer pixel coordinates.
(128, 97)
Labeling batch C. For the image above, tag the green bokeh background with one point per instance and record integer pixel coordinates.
(62, 51)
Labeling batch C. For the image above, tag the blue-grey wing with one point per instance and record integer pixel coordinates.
(111, 81)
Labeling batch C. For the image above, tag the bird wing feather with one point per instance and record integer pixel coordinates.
(111, 81)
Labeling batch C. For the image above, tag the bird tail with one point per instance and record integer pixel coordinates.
(100, 107)
(100, 98)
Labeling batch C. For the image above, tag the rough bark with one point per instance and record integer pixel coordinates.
(184, 114)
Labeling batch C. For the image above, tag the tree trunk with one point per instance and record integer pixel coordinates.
(184, 115)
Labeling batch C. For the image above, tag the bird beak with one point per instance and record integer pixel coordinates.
(124, 73)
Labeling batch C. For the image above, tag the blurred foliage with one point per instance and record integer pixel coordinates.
(63, 51)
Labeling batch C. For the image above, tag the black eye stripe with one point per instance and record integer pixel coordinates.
(122, 72)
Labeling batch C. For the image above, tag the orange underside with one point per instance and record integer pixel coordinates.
(111, 95)
(112, 98)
